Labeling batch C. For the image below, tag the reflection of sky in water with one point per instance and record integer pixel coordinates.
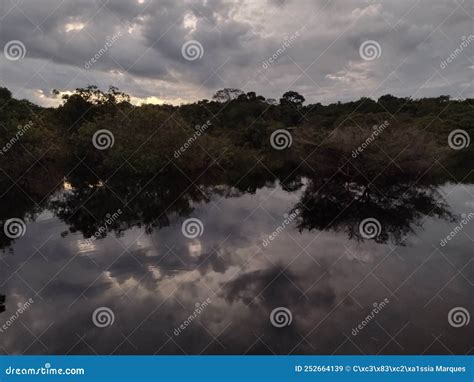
(152, 282)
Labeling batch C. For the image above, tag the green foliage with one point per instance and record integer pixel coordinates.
(164, 158)
(152, 139)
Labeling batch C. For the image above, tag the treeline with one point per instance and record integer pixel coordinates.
(237, 134)
(156, 162)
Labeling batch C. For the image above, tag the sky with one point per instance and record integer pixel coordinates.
(171, 51)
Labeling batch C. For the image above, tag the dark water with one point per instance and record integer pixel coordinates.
(319, 267)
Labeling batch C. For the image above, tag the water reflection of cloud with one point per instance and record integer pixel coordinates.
(154, 283)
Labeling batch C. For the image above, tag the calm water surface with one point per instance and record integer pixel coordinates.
(154, 278)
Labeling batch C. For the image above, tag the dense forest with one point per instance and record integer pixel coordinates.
(234, 133)
(157, 161)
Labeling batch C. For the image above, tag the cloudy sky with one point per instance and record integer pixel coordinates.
(180, 51)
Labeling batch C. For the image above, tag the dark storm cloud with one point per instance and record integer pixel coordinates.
(320, 58)
(278, 286)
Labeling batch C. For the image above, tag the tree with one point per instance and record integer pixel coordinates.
(290, 104)
(251, 96)
(87, 103)
(5, 93)
(227, 94)
(292, 98)
(391, 103)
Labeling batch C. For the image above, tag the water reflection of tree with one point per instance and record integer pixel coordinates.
(88, 207)
(340, 205)
(26, 198)
(148, 203)
(15, 204)
(329, 202)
